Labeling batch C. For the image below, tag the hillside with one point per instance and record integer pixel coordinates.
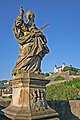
(63, 91)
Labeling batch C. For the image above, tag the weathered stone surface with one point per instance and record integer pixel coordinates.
(32, 43)
(29, 100)
(75, 107)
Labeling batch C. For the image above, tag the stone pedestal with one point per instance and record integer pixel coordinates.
(29, 101)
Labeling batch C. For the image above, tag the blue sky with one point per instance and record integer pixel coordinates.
(63, 33)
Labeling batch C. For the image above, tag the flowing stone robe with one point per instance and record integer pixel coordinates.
(32, 46)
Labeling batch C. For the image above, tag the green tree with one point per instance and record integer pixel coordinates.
(46, 74)
(72, 69)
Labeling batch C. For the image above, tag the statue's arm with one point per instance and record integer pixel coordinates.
(17, 25)
(19, 19)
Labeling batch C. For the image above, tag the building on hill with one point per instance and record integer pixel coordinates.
(68, 72)
(60, 68)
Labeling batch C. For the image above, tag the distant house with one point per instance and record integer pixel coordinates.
(6, 83)
(60, 68)
(6, 90)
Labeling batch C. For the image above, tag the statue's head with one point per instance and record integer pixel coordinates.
(30, 17)
(30, 14)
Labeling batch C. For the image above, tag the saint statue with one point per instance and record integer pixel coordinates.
(32, 44)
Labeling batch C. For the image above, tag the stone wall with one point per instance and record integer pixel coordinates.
(64, 74)
(67, 75)
(74, 76)
(68, 110)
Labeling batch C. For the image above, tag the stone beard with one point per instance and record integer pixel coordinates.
(32, 44)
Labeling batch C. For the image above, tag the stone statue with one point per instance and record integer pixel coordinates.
(29, 99)
(32, 44)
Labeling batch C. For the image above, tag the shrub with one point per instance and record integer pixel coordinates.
(46, 74)
(58, 78)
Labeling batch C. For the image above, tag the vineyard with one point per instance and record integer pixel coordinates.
(63, 91)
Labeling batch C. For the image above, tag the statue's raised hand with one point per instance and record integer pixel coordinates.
(21, 11)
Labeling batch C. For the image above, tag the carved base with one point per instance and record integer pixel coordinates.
(29, 101)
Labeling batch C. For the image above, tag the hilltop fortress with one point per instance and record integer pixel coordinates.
(60, 68)
(68, 72)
